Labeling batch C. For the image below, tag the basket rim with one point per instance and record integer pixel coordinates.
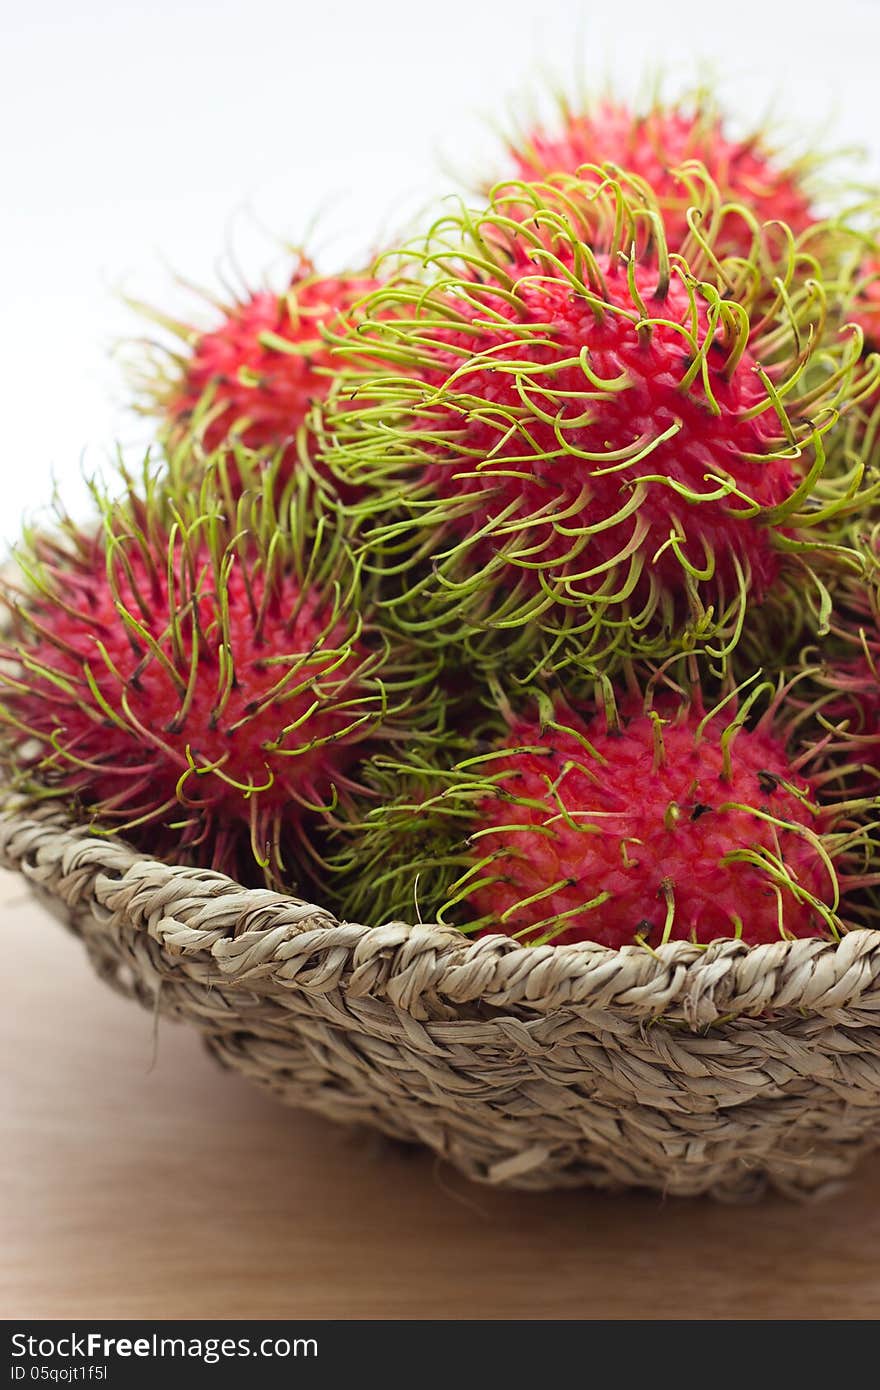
(267, 941)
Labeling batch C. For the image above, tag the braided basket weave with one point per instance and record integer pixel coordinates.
(720, 1070)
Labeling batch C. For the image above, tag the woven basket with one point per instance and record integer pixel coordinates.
(720, 1070)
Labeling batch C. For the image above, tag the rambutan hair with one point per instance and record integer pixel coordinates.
(202, 679)
(584, 446)
(639, 816)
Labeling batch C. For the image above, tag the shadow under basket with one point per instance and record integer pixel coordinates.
(723, 1070)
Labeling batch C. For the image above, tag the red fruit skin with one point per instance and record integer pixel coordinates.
(655, 144)
(128, 768)
(261, 392)
(706, 446)
(654, 830)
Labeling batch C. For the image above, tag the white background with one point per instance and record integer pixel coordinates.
(138, 142)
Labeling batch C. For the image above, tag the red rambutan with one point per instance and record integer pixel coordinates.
(647, 820)
(844, 689)
(654, 143)
(864, 306)
(859, 295)
(255, 376)
(195, 682)
(581, 434)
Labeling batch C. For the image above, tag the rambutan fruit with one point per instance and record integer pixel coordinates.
(255, 375)
(655, 142)
(582, 446)
(864, 305)
(858, 439)
(197, 682)
(634, 819)
(844, 688)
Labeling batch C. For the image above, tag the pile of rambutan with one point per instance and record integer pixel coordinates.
(526, 580)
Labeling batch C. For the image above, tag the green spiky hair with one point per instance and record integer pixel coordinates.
(203, 677)
(569, 444)
(562, 822)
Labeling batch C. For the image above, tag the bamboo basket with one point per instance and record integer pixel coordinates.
(721, 1070)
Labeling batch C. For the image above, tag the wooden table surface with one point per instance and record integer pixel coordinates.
(136, 1186)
